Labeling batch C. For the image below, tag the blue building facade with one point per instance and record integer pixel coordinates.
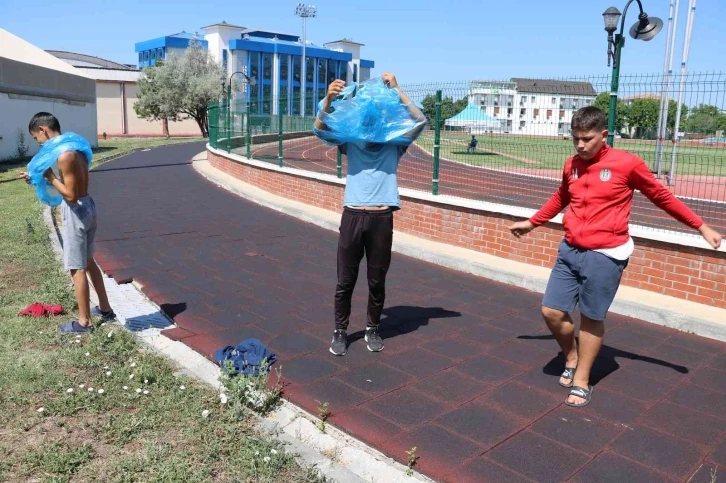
(274, 60)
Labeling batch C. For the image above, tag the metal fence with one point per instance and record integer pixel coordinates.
(506, 141)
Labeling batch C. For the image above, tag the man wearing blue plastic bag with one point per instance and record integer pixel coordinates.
(70, 155)
(372, 124)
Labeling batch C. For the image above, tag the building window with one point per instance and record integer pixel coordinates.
(562, 114)
(284, 68)
(296, 100)
(332, 70)
(309, 70)
(554, 100)
(255, 99)
(254, 65)
(146, 55)
(496, 111)
(296, 68)
(266, 98)
(225, 55)
(321, 73)
(509, 111)
(141, 56)
(343, 72)
(284, 101)
(522, 124)
(533, 99)
(536, 113)
(309, 101)
(549, 114)
(523, 112)
(266, 67)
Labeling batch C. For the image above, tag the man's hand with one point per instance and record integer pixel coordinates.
(24, 176)
(711, 236)
(390, 80)
(49, 175)
(335, 88)
(521, 228)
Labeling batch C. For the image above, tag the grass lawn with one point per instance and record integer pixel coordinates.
(117, 146)
(90, 428)
(552, 153)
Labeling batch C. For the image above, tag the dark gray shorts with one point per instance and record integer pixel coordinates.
(585, 277)
(78, 230)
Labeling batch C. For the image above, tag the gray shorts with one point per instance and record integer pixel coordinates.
(585, 277)
(78, 230)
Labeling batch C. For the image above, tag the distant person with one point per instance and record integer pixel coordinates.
(371, 197)
(472, 145)
(78, 228)
(597, 184)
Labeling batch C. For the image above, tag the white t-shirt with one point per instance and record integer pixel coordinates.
(622, 252)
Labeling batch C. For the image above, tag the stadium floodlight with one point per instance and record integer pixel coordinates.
(305, 12)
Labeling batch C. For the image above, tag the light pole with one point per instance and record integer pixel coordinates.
(228, 105)
(644, 29)
(305, 12)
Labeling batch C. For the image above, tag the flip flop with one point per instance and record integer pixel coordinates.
(75, 327)
(578, 391)
(569, 373)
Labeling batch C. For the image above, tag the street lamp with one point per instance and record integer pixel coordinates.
(644, 29)
(305, 12)
(252, 82)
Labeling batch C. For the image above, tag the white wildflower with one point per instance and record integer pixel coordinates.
(133, 364)
(223, 398)
(273, 451)
(181, 388)
(88, 354)
(138, 390)
(108, 373)
(90, 389)
(125, 388)
(205, 413)
(100, 391)
(131, 376)
(110, 334)
(40, 410)
(146, 381)
(81, 386)
(266, 459)
(69, 390)
(146, 392)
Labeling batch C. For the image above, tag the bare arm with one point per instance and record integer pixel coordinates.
(413, 110)
(334, 89)
(68, 187)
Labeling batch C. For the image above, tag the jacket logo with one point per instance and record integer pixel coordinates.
(605, 175)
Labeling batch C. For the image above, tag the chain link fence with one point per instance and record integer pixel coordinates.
(506, 141)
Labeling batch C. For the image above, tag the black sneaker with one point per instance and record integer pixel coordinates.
(339, 345)
(373, 338)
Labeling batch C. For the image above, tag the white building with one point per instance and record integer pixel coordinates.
(532, 107)
(31, 81)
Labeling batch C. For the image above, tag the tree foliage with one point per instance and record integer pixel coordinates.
(449, 107)
(706, 119)
(602, 102)
(179, 87)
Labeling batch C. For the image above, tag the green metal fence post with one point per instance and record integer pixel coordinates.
(437, 139)
(248, 140)
(279, 118)
(339, 163)
(612, 114)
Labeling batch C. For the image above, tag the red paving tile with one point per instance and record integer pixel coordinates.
(469, 373)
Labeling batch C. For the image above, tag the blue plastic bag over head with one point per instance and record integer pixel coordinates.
(47, 157)
(368, 112)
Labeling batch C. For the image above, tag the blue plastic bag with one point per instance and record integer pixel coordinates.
(47, 157)
(369, 112)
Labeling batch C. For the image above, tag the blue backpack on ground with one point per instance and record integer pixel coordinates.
(47, 157)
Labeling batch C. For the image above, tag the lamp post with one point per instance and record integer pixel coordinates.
(250, 81)
(644, 29)
(305, 12)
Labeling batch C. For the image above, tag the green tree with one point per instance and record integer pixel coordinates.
(449, 107)
(705, 119)
(602, 102)
(643, 116)
(672, 108)
(180, 86)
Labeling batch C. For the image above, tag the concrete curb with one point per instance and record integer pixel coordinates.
(336, 455)
(655, 308)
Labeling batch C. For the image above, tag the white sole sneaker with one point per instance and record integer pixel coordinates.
(369, 347)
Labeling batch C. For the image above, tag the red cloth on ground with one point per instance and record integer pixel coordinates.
(39, 310)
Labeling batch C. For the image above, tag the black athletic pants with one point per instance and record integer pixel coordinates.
(370, 233)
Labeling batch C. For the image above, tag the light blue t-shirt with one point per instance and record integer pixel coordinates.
(371, 179)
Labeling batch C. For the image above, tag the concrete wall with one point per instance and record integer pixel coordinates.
(26, 89)
(110, 107)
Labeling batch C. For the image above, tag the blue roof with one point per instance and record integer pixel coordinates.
(472, 113)
(180, 40)
(259, 44)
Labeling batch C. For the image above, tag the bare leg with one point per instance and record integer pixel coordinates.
(80, 286)
(591, 336)
(97, 280)
(563, 328)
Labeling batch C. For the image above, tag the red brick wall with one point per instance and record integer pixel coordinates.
(687, 273)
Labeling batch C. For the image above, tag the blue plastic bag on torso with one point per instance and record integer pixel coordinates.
(47, 157)
(369, 112)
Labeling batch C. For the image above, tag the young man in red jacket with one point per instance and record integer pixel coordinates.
(598, 185)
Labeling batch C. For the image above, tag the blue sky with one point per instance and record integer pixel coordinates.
(419, 40)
